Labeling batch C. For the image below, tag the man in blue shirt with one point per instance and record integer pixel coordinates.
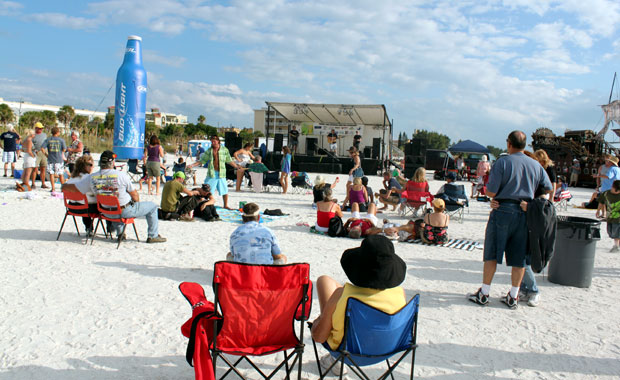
(612, 174)
(10, 139)
(252, 243)
(391, 194)
(513, 178)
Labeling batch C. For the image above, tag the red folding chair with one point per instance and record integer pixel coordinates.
(76, 204)
(259, 305)
(110, 210)
(414, 198)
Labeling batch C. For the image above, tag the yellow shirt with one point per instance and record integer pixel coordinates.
(387, 300)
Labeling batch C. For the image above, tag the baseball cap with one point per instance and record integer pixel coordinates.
(38, 125)
(106, 157)
(179, 174)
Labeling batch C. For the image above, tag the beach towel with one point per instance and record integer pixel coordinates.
(468, 245)
(234, 216)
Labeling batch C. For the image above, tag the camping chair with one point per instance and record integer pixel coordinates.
(257, 181)
(189, 172)
(414, 198)
(271, 181)
(245, 295)
(110, 210)
(372, 336)
(76, 204)
(135, 172)
(561, 199)
(300, 183)
(456, 200)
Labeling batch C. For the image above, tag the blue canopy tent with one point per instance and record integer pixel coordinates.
(468, 146)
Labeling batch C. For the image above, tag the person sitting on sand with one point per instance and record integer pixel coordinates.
(391, 194)
(173, 206)
(436, 224)
(325, 210)
(371, 196)
(320, 186)
(205, 208)
(253, 243)
(357, 195)
(374, 272)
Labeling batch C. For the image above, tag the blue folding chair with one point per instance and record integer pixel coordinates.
(456, 200)
(372, 336)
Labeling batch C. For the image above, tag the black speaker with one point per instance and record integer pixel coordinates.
(277, 142)
(376, 148)
(412, 163)
(416, 147)
(367, 151)
(233, 142)
(311, 145)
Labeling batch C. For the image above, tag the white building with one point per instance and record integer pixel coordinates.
(21, 107)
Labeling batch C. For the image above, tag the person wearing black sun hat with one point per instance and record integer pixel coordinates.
(374, 272)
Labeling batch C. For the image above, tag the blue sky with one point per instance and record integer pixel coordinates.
(468, 69)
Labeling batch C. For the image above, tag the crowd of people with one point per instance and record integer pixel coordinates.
(511, 183)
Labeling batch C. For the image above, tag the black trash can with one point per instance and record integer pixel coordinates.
(575, 244)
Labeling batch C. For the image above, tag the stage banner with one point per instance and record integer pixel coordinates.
(341, 130)
(307, 128)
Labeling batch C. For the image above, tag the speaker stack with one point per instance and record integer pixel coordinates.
(233, 142)
(278, 141)
(415, 156)
(376, 148)
(311, 143)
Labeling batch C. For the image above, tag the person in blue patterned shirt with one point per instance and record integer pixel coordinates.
(253, 243)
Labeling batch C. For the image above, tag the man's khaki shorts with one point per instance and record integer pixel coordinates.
(41, 159)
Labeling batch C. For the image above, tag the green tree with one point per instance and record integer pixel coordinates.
(495, 150)
(150, 129)
(434, 140)
(247, 135)
(48, 118)
(258, 134)
(28, 119)
(108, 123)
(65, 115)
(79, 122)
(6, 114)
(201, 119)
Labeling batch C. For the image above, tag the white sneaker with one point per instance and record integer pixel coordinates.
(327, 360)
(533, 300)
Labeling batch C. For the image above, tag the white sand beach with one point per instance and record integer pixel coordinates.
(74, 311)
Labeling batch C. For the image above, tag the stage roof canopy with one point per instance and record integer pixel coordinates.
(334, 114)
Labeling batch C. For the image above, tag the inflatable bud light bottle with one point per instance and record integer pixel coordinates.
(130, 103)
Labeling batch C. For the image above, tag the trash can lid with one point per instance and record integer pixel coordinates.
(577, 221)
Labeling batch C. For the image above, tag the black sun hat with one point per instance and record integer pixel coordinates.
(374, 264)
(106, 156)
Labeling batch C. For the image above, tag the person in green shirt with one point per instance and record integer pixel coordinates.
(173, 207)
(257, 166)
(217, 157)
(609, 204)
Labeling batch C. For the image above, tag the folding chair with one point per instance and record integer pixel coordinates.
(414, 199)
(110, 210)
(456, 200)
(245, 296)
(76, 204)
(257, 181)
(561, 199)
(372, 336)
(271, 181)
(134, 171)
(300, 183)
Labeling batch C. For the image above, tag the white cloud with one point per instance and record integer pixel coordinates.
(153, 56)
(64, 21)
(8, 8)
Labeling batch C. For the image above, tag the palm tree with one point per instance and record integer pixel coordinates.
(79, 122)
(65, 114)
(6, 114)
(201, 119)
